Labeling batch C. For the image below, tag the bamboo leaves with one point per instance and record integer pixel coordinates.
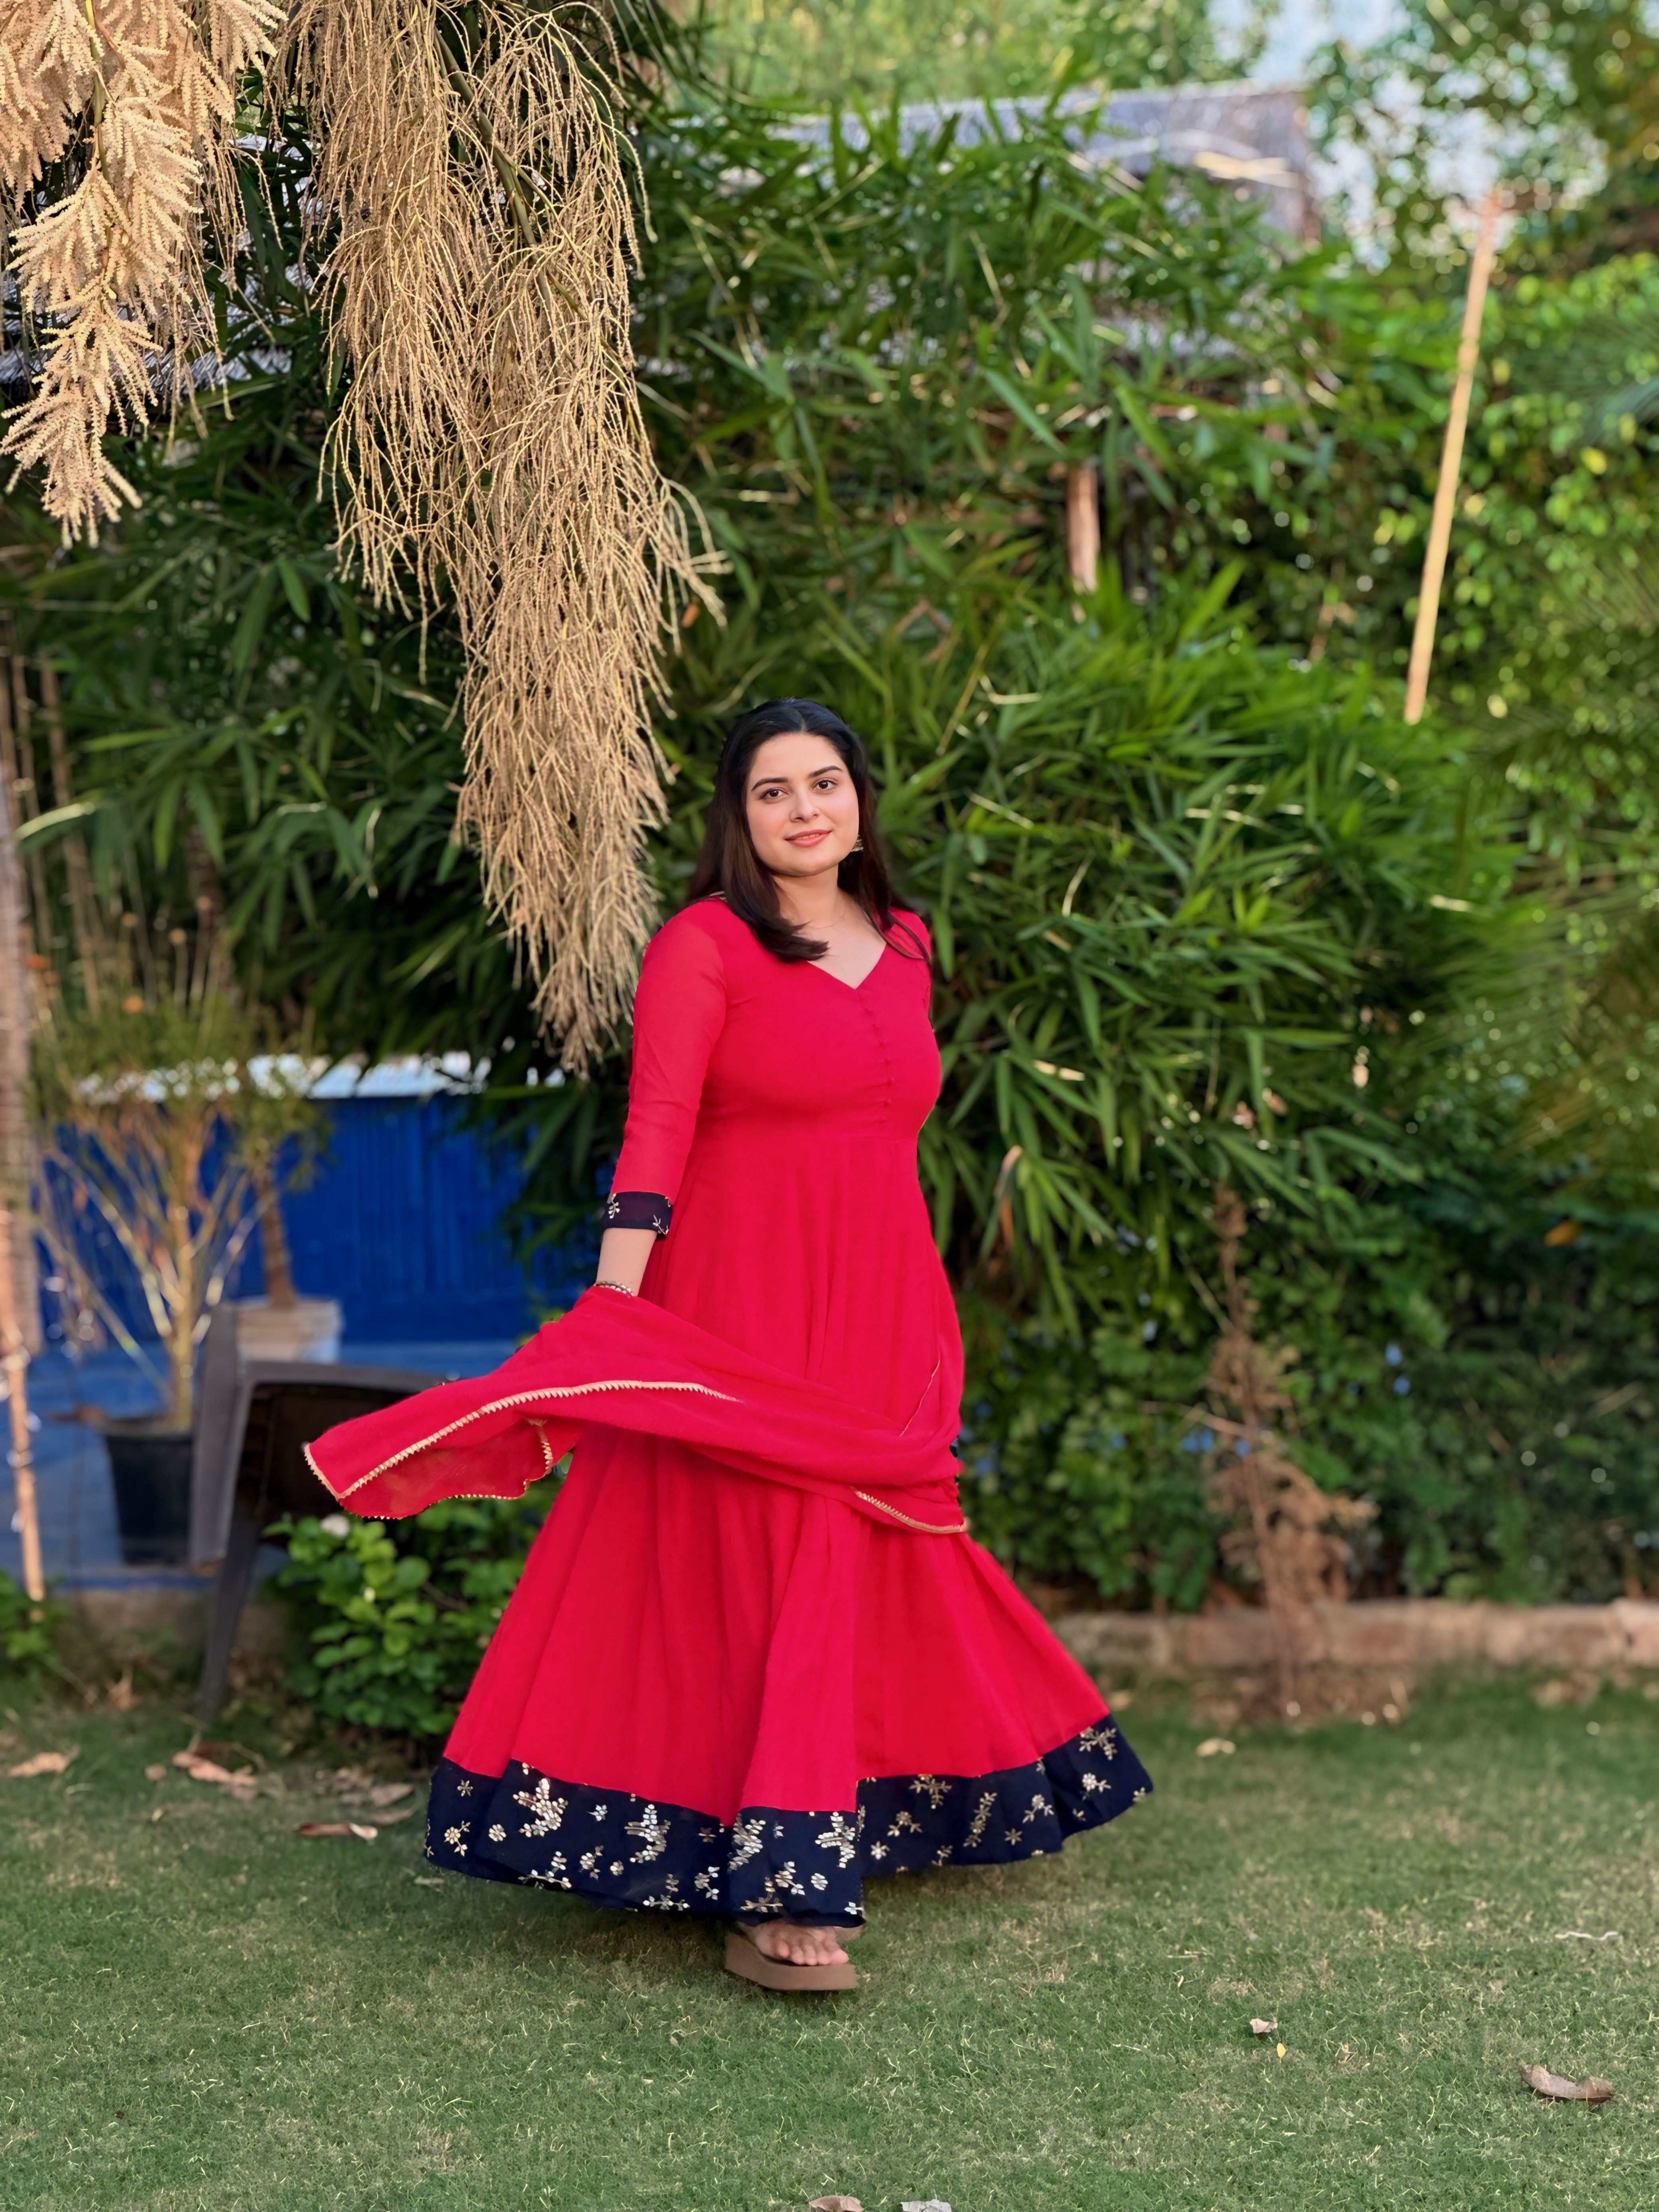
(1136, 961)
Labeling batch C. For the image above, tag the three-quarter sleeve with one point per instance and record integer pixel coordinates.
(679, 1011)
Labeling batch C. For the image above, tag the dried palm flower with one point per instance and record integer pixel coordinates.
(116, 155)
(490, 443)
(1288, 1526)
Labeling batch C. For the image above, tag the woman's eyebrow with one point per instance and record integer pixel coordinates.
(830, 769)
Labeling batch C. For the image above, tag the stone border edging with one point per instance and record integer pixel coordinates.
(1406, 1634)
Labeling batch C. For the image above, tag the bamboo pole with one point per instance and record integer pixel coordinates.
(17, 1279)
(1451, 461)
(15, 1362)
(1083, 524)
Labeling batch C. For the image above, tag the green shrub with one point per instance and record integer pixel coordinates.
(1492, 1396)
(396, 1615)
(28, 1630)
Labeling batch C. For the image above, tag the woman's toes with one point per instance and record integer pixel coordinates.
(803, 1947)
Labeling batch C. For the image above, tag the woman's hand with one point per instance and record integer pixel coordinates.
(623, 1256)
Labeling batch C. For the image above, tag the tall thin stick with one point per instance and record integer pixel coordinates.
(23, 802)
(1451, 462)
(15, 1362)
(8, 768)
(1083, 524)
(83, 904)
(16, 1281)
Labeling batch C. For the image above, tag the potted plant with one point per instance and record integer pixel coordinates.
(159, 1124)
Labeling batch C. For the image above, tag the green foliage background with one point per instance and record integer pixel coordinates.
(393, 1628)
(1203, 906)
(960, 48)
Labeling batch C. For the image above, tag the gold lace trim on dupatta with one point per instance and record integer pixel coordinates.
(502, 1406)
(926, 1528)
(581, 1390)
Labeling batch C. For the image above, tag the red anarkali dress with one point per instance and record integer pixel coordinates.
(712, 1691)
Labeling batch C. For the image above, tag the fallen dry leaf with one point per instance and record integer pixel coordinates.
(388, 1793)
(243, 1785)
(1584, 1935)
(1592, 2090)
(206, 1769)
(1213, 1744)
(385, 1819)
(1264, 2027)
(835, 2204)
(44, 1762)
(155, 1774)
(336, 1829)
(122, 1695)
(428, 1881)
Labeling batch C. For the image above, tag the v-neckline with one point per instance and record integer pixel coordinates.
(854, 987)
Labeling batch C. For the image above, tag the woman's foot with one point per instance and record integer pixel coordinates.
(800, 1947)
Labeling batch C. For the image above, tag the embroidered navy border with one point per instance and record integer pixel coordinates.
(621, 1850)
(638, 1209)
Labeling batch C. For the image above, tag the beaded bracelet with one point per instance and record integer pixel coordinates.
(601, 1283)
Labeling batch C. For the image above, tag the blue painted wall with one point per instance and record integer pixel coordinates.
(402, 1222)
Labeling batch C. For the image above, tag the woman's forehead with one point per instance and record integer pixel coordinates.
(797, 753)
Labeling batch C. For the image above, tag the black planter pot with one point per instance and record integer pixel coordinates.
(149, 1466)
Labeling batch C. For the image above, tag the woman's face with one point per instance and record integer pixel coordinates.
(803, 811)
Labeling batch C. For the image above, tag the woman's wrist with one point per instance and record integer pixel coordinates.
(623, 1254)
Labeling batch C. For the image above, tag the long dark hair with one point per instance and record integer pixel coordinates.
(728, 863)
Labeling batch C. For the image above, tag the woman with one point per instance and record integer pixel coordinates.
(754, 1655)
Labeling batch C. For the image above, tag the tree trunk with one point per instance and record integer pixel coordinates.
(23, 800)
(83, 903)
(279, 1272)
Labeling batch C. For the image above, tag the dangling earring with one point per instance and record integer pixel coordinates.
(859, 847)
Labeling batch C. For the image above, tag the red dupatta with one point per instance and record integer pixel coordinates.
(622, 1362)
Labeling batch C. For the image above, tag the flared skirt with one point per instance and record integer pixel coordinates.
(713, 1693)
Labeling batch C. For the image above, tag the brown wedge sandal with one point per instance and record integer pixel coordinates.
(745, 1956)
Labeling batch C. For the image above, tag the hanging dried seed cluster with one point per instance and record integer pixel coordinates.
(490, 443)
(116, 155)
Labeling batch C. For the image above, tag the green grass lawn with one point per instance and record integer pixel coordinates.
(204, 2010)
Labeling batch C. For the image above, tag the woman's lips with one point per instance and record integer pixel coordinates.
(808, 838)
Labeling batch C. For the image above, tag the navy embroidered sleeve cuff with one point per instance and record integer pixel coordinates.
(638, 1209)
